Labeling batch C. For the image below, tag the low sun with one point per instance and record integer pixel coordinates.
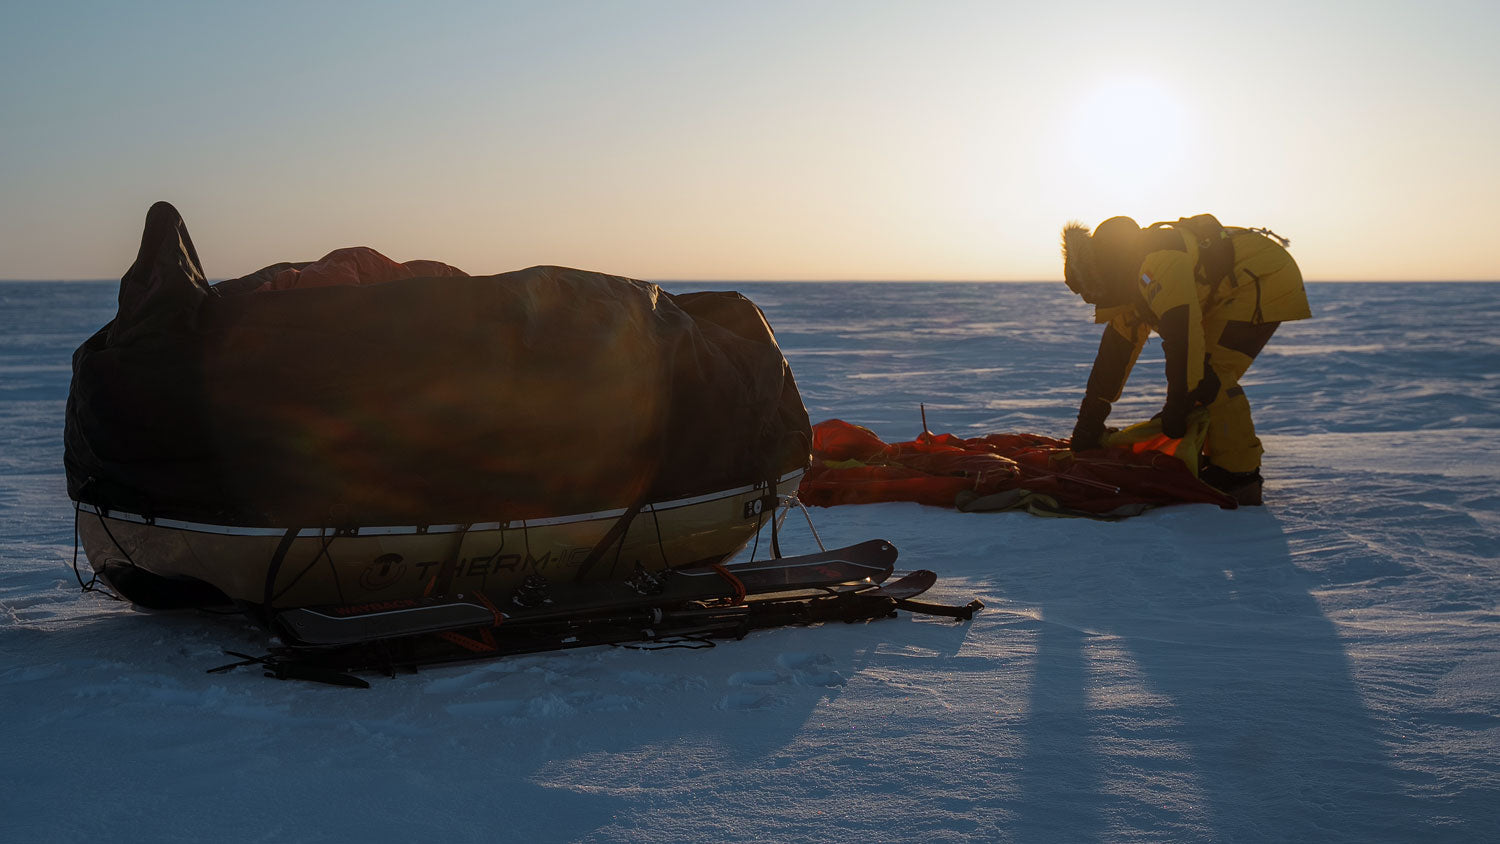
(1129, 139)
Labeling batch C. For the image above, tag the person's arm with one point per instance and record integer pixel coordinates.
(1173, 297)
(1118, 350)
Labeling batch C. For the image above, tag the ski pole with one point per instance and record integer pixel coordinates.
(1085, 481)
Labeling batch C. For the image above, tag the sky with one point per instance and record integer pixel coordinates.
(672, 140)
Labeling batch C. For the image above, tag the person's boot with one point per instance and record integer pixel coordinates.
(1243, 487)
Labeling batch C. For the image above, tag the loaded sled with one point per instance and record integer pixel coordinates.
(354, 450)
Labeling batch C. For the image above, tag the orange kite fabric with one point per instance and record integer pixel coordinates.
(354, 266)
(851, 465)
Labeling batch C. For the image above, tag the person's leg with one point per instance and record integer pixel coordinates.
(1232, 449)
(1232, 443)
(1269, 289)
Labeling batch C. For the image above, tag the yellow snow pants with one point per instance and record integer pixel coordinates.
(1270, 292)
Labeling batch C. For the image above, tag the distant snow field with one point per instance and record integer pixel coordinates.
(1325, 668)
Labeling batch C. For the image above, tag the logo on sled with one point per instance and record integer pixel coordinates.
(383, 572)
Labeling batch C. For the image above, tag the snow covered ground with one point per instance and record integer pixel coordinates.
(1326, 668)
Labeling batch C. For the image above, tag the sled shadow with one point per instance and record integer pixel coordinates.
(593, 731)
(1204, 661)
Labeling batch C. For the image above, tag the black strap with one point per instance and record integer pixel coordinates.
(616, 533)
(963, 613)
(772, 502)
(93, 582)
(691, 643)
(449, 567)
(1257, 317)
(275, 568)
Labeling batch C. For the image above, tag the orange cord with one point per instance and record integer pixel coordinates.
(735, 582)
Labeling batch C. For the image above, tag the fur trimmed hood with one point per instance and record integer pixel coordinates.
(1100, 265)
(1079, 268)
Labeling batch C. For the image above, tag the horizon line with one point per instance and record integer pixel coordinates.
(856, 280)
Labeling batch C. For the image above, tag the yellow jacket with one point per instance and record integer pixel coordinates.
(1178, 302)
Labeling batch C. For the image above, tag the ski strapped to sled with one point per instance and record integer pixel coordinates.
(678, 608)
(868, 562)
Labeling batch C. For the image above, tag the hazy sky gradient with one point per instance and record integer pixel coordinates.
(757, 140)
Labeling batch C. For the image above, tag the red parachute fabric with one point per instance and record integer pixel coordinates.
(355, 266)
(851, 465)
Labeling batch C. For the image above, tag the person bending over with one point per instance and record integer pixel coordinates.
(1215, 295)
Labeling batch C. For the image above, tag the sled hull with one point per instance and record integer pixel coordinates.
(369, 564)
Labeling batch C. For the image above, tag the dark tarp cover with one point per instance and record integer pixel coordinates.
(540, 392)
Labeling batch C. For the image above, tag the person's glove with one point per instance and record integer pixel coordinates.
(1208, 387)
(1089, 433)
(1174, 414)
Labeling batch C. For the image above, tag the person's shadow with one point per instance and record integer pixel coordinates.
(1201, 657)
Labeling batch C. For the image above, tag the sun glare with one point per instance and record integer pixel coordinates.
(1129, 140)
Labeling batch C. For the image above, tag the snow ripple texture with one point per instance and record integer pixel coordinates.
(1326, 668)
